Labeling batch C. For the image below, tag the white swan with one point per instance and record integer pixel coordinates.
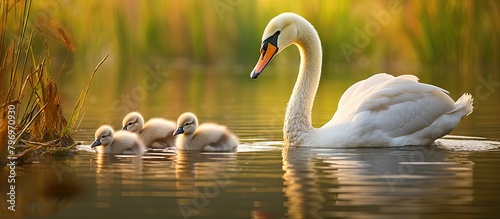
(155, 133)
(380, 111)
(119, 142)
(206, 137)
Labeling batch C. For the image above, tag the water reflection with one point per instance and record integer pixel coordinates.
(42, 188)
(264, 183)
(111, 172)
(301, 184)
(368, 182)
(201, 177)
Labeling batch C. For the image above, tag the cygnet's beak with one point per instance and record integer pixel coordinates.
(97, 142)
(179, 130)
(124, 127)
(267, 51)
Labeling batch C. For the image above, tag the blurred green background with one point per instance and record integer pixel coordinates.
(227, 32)
(197, 54)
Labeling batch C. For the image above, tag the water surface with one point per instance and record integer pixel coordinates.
(264, 182)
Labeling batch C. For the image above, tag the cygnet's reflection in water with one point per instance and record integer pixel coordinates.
(201, 177)
(362, 182)
(188, 183)
(117, 171)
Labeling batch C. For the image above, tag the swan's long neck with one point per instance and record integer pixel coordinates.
(297, 127)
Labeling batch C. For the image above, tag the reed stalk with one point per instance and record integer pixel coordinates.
(28, 86)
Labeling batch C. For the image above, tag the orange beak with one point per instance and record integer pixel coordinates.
(265, 58)
(267, 52)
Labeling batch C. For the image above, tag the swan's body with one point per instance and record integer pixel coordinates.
(380, 111)
(155, 133)
(206, 137)
(119, 142)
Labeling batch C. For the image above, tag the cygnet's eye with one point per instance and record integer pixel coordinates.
(103, 136)
(130, 123)
(186, 124)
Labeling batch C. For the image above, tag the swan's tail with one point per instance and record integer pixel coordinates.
(463, 106)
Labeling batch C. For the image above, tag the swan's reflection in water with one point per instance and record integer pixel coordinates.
(366, 182)
(302, 185)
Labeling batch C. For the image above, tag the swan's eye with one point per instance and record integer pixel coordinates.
(273, 40)
(103, 136)
(186, 124)
(263, 49)
(130, 123)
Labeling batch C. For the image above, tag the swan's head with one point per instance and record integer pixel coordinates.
(103, 136)
(282, 31)
(186, 123)
(133, 122)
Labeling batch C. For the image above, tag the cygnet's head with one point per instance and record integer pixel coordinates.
(186, 123)
(133, 122)
(103, 136)
(280, 32)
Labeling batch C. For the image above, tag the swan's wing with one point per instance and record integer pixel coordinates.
(361, 86)
(396, 106)
(362, 91)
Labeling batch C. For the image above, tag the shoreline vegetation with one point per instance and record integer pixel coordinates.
(32, 121)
